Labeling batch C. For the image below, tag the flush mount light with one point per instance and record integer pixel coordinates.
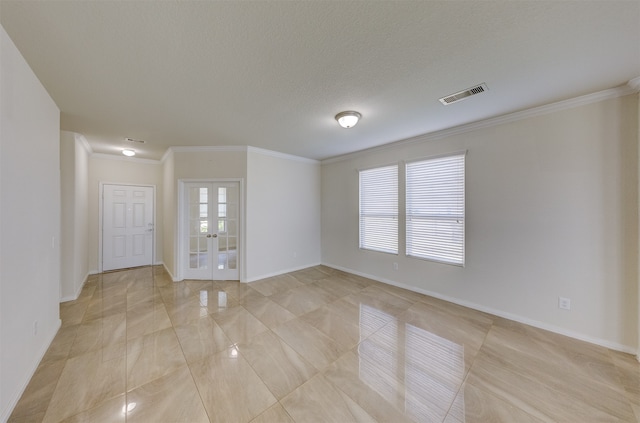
(128, 152)
(348, 119)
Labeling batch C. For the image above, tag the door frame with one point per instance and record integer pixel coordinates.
(100, 222)
(181, 250)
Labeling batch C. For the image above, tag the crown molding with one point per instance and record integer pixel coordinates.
(200, 149)
(279, 155)
(631, 87)
(235, 148)
(81, 139)
(635, 84)
(83, 142)
(103, 156)
(168, 152)
(207, 148)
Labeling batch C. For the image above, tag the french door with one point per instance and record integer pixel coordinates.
(210, 234)
(127, 226)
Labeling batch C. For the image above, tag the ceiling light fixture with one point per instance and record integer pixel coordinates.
(128, 152)
(348, 119)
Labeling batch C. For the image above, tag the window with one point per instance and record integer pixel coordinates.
(435, 209)
(379, 209)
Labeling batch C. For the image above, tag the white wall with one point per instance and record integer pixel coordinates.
(113, 169)
(283, 214)
(30, 224)
(74, 242)
(551, 210)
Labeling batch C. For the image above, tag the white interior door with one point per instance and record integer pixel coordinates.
(127, 226)
(211, 211)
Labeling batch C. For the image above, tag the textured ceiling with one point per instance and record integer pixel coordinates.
(273, 74)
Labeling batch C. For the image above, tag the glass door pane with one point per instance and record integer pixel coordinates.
(198, 227)
(227, 226)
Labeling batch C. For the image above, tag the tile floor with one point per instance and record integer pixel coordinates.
(317, 345)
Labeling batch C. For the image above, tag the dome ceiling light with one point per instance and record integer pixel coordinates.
(348, 119)
(128, 152)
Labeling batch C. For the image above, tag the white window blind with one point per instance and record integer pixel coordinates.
(435, 209)
(379, 209)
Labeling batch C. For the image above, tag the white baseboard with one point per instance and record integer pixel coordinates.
(279, 272)
(93, 272)
(78, 291)
(516, 318)
(173, 278)
(256, 278)
(6, 413)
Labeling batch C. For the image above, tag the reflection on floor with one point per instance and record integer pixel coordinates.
(227, 259)
(317, 345)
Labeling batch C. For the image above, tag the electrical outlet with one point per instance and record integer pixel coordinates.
(564, 303)
(295, 254)
(395, 266)
(35, 327)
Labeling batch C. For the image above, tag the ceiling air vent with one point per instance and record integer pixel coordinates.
(464, 94)
(132, 140)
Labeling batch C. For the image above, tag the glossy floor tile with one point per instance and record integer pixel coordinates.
(315, 345)
(278, 365)
(229, 387)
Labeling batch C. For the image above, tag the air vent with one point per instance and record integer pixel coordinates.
(464, 94)
(132, 140)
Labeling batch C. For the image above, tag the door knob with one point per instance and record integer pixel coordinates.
(212, 235)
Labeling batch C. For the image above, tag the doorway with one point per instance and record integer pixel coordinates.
(210, 230)
(127, 226)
